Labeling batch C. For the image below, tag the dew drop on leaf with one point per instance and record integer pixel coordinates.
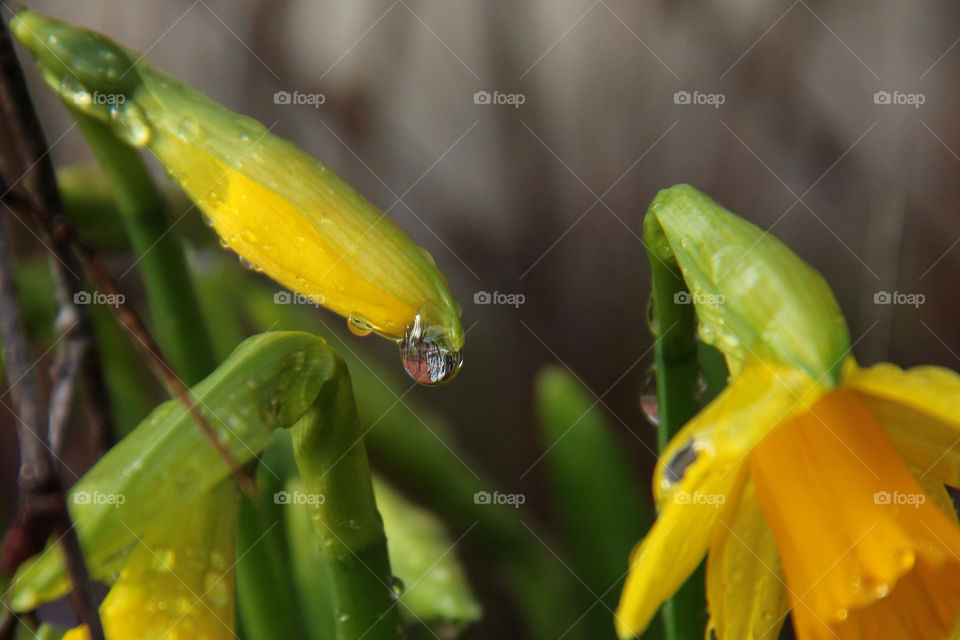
(396, 587)
(648, 398)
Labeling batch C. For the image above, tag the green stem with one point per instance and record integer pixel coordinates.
(329, 449)
(677, 372)
(263, 582)
(177, 322)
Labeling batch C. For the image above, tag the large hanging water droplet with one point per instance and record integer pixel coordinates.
(426, 360)
(358, 325)
(648, 398)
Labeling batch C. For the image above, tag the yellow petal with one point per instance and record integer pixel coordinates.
(699, 472)
(745, 590)
(920, 410)
(865, 553)
(179, 583)
(938, 493)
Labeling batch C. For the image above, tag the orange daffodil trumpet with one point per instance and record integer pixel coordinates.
(812, 485)
(281, 210)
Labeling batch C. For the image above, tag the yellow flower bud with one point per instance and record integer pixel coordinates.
(280, 209)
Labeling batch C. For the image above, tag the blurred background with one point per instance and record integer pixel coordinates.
(521, 142)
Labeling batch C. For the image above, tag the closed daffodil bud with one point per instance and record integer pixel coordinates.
(280, 209)
(753, 296)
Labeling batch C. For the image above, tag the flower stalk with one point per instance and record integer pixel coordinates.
(677, 367)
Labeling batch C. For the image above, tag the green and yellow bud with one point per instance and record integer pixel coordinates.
(280, 209)
(754, 297)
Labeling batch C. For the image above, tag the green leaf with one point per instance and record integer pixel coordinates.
(602, 511)
(753, 296)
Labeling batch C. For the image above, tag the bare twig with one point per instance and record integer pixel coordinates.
(40, 200)
(42, 507)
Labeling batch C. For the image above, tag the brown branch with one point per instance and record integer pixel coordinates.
(42, 506)
(41, 201)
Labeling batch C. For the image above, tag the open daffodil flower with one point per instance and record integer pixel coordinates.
(814, 486)
(281, 210)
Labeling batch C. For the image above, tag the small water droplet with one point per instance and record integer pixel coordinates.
(224, 243)
(359, 325)
(426, 359)
(214, 198)
(246, 264)
(648, 398)
(207, 220)
(701, 387)
(190, 130)
(343, 617)
(396, 587)
(130, 123)
(842, 614)
(429, 258)
(72, 91)
(881, 591)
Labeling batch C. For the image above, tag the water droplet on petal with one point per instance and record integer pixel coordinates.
(246, 264)
(130, 124)
(359, 325)
(881, 591)
(842, 614)
(72, 91)
(190, 130)
(426, 360)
